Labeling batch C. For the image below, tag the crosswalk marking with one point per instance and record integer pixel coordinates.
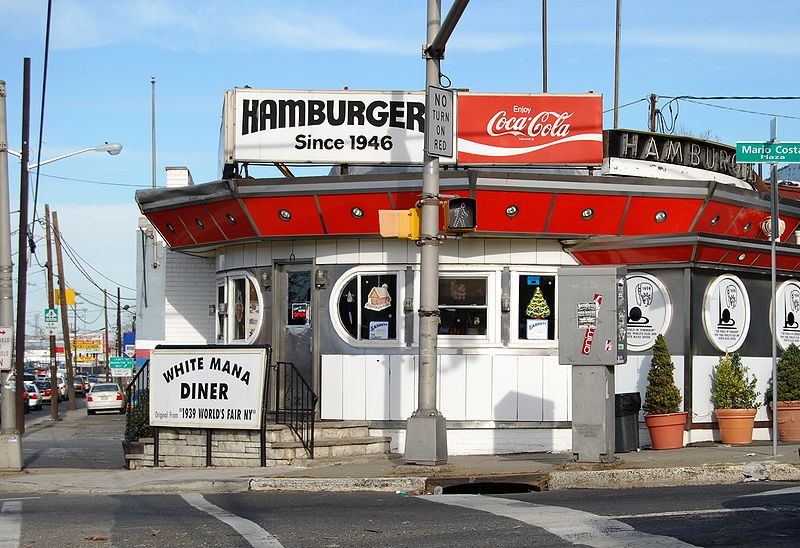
(574, 526)
(10, 523)
(250, 531)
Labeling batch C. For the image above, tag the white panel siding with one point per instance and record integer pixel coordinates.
(378, 390)
(530, 388)
(702, 367)
(189, 288)
(331, 387)
(346, 251)
(498, 251)
(403, 386)
(550, 252)
(235, 256)
(371, 252)
(504, 388)
(471, 251)
(448, 252)
(303, 249)
(249, 255)
(326, 251)
(557, 379)
(478, 387)
(354, 393)
(523, 252)
(395, 250)
(264, 254)
(452, 384)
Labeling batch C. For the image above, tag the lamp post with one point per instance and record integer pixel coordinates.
(112, 148)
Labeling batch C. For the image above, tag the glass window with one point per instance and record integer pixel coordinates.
(367, 307)
(536, 311)
(462, 306)
(299, 297)
(238, 309)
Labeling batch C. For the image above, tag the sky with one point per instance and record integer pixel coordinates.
(103, 55)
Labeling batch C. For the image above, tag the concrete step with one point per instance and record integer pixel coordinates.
(333, 447)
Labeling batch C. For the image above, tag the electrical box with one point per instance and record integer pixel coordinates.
(592, 315)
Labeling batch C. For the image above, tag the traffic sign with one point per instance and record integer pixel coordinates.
(51, 315)
(439, 122)
(757, 152)
(6, 346)
(118, 362)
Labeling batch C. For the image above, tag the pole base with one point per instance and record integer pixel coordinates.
(10, 452)
(426, 440)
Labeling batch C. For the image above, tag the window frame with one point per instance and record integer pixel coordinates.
(227, 281)
(514, 314)
(492, 302)
(397, 302)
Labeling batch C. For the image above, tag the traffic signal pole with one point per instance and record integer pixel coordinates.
(426, 429)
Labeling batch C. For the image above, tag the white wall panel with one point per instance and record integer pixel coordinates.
(264, 254)
(557, 382)
(370, 251)
(478, 387)
(353, 388)
(331, 387)
(497, 251)
(377, 390)
(326, 251)
(249, 255)
(452, 387)
(504, 388)
(448, 252)
(347, 251)
(395, 250)
(235, 256)
(530, 398)
(523, 252)
(403, 386)
(471, 251)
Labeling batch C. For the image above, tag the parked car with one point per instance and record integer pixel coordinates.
(45, 390)
(92, 379)
(62, 388)
(80, 386)
(34, 396)
(105, 396)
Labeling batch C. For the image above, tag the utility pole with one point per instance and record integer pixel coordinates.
(616, 66)
(426, 428)
(105, 344)
(119, 326)
(22, 254)
(54, 393)
(544, 46)
(10, 438)
(64, 319)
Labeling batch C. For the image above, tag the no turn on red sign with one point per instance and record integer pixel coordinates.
(6, 346)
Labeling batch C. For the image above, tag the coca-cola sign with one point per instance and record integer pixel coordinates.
(530, 129)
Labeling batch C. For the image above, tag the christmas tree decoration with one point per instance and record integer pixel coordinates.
(538, 308)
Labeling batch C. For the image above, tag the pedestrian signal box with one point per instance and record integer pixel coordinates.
(461, 215)
(399, 224)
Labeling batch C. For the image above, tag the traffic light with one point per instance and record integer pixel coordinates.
(461, 215)
(399, 224)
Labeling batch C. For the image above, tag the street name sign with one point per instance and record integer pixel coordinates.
(758, 152)
(439, 122)
(6, 346)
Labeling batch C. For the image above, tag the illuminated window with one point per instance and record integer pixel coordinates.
(239, 308)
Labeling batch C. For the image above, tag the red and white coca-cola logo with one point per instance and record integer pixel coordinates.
(545, 123)
(530, 129)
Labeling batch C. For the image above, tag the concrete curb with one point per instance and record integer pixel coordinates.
(672, 477)
(404, 485)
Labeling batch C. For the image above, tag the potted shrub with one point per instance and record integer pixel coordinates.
(662, 400)
(788, 381)
(733, 393)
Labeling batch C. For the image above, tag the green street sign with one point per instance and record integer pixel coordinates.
(117, 362)
(758, 152)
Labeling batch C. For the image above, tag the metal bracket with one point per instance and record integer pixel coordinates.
(428, 313)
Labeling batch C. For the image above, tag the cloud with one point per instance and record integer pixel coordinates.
(203, 26)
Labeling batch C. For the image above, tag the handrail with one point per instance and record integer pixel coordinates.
(137, 417)
(295, 403)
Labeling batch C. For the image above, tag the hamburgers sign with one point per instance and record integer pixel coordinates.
(387, 127)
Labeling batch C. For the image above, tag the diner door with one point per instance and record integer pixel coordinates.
(294, 320)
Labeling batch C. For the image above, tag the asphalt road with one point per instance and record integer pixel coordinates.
(83, 441)
(744, 514)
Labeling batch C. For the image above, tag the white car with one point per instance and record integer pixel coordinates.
(34, 396)
(105, 396)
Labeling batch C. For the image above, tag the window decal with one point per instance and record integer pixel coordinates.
(378, 298)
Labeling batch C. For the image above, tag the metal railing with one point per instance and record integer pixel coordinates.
(137, 417)
(295, 402)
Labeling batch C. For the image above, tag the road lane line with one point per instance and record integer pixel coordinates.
(250, 531)
(691, 512)
(10, 523)
(575, 526)
(772, 492)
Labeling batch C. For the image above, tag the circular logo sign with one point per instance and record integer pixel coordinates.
(726, 313)
(788, 299)
(649, 310)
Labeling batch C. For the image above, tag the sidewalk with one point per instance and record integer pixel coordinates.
(712, 464)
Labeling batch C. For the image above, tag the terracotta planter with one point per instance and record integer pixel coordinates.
(666, 431)
(736, 425)
(788, 420)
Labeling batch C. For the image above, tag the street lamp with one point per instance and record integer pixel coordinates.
(112, 148)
